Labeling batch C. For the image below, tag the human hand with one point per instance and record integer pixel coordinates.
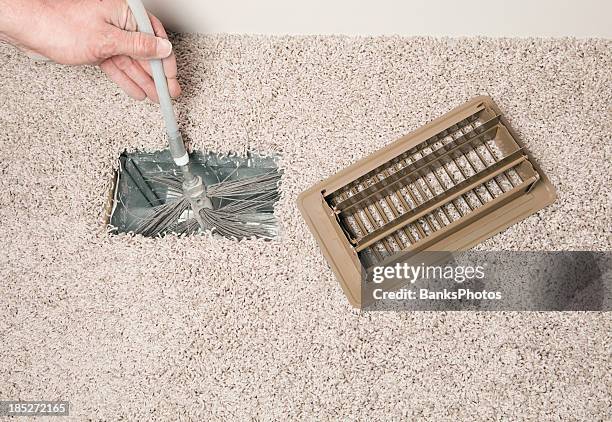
(97, 32)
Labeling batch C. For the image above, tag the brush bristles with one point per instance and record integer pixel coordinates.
(240, 213)
(162, 217)
(239, 225)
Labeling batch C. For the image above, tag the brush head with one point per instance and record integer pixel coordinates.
(237, 214)
(228, 194)
(195, 192)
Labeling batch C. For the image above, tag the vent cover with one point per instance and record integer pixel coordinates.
(445, 187)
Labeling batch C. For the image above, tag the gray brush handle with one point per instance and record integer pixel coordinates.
(175, 140)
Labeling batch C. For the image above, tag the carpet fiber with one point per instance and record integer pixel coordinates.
(206, 328)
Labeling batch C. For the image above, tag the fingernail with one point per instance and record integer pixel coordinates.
(164, 48)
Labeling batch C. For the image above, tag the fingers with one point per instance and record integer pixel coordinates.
(128, 62)
(121, 79)
(169, 62)
(139, 45)
(138, 75)
(173, 86)
(158, 27)
(131, 77)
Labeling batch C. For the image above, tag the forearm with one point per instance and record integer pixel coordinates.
(17, 17)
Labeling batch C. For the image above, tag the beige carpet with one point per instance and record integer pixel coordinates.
(204, 328)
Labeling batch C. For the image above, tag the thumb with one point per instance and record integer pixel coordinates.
(141, 46)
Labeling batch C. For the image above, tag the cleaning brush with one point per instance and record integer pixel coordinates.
(229, 207)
